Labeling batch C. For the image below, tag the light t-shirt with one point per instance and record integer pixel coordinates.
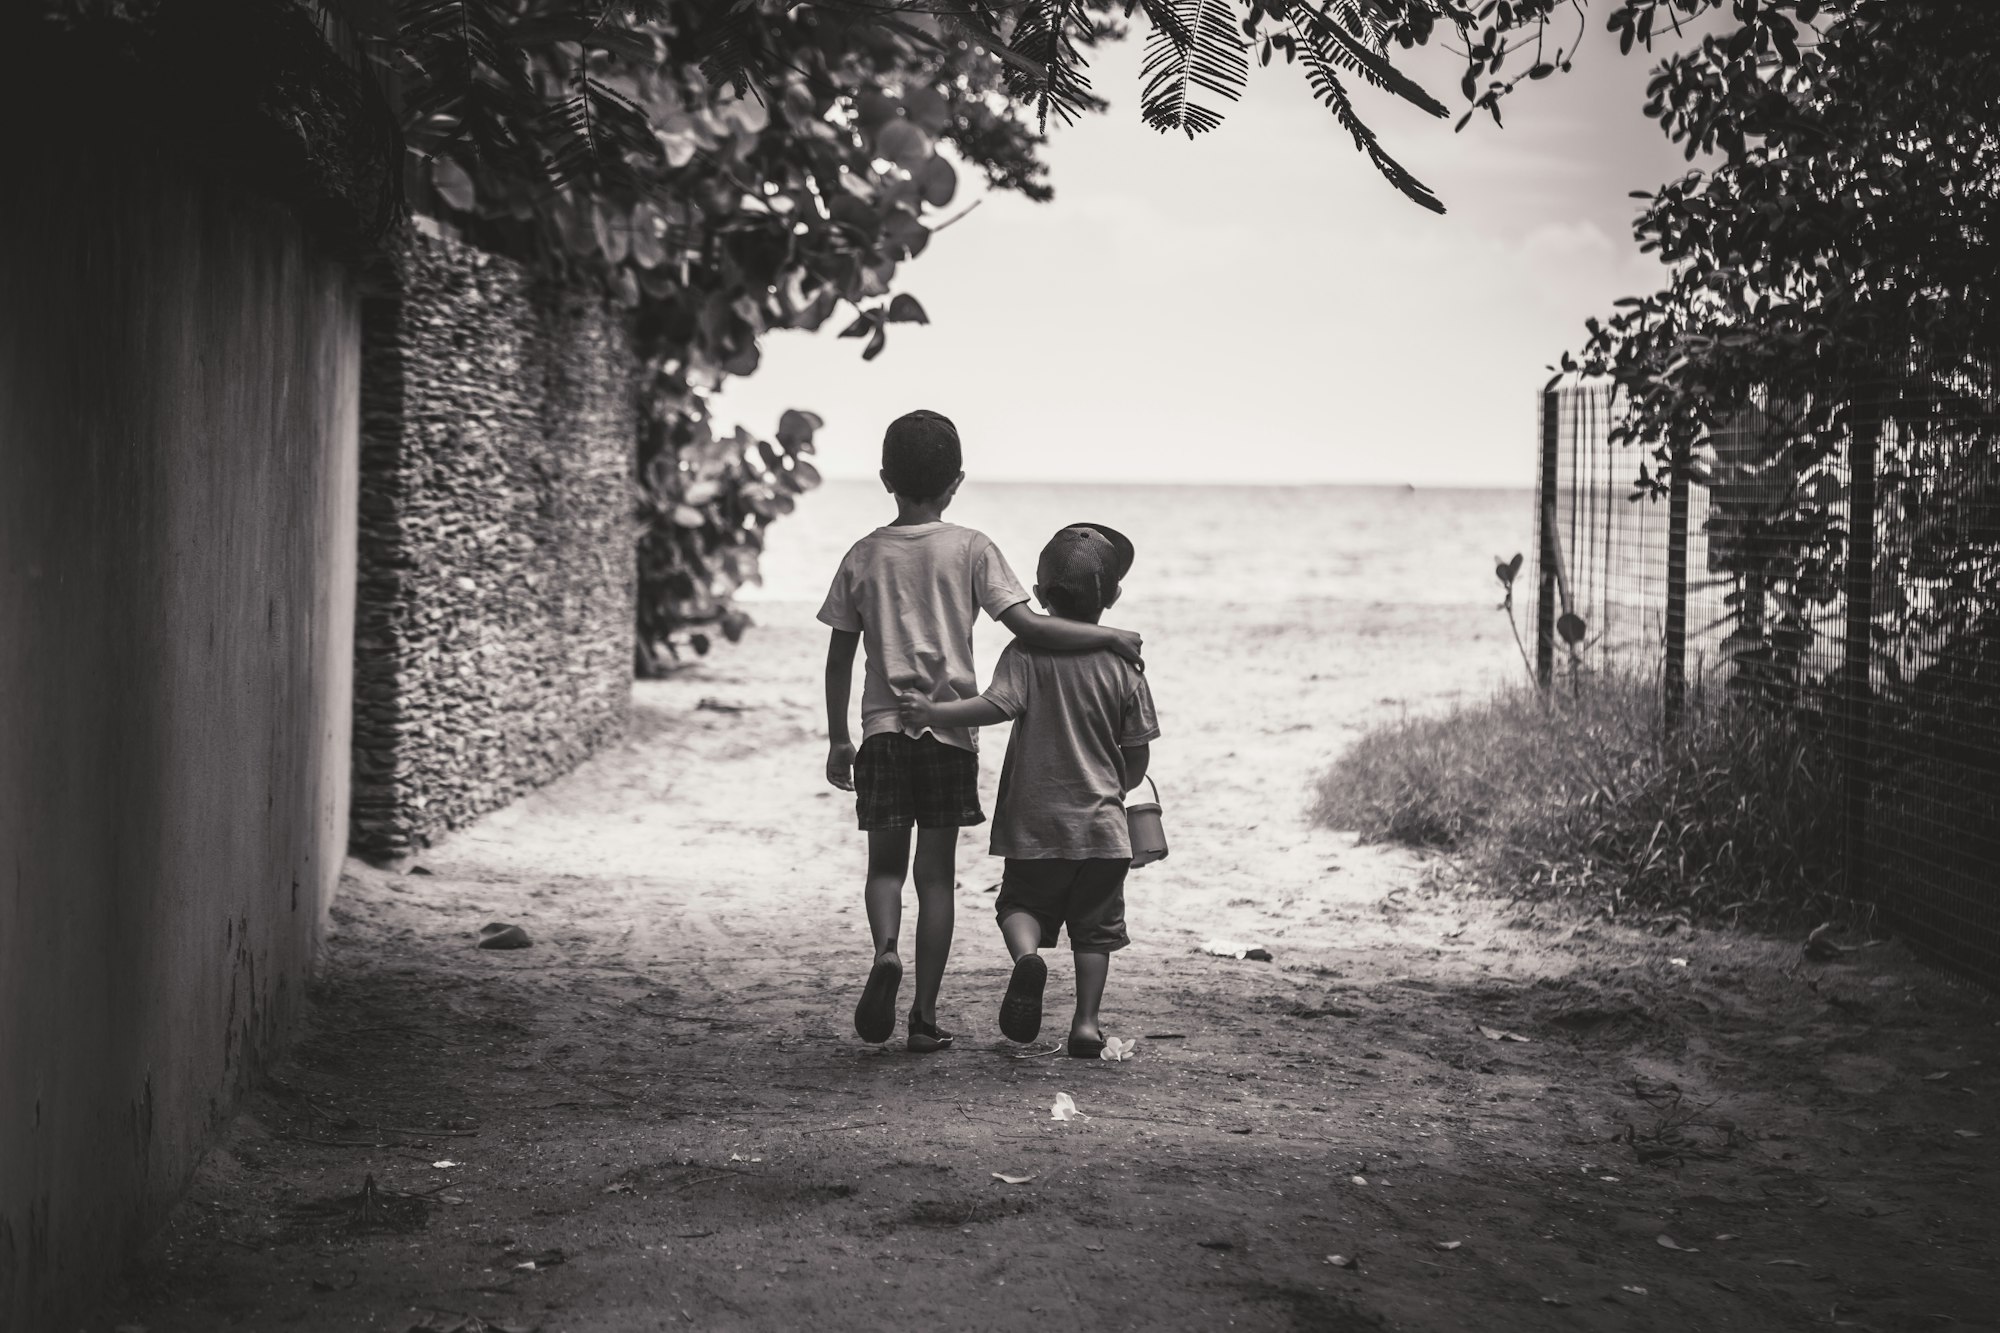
(913, 594)
(1062, 785)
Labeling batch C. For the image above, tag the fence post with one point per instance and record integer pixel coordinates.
(1859, 581)
(1548, 539)
(1675, 676)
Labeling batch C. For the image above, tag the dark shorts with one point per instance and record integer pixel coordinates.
(922, 783)
(1086, 896)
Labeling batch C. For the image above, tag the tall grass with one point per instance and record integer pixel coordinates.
(1582, 792)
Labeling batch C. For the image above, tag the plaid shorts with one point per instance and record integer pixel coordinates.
(922, 783)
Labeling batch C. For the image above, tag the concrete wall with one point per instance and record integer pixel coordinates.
(178, 434)
(497, 577)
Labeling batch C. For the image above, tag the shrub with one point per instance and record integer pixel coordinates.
(1581, 792)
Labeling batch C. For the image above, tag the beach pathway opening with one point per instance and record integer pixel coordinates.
(1430, 1109)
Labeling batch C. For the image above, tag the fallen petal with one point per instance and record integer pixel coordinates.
(1447, 1244)
(1636, 1291)
(1666, 1242)
(1006, 1178)
(1359, 1180)
(1340, 1261)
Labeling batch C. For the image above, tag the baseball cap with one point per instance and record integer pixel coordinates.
(1088, 557)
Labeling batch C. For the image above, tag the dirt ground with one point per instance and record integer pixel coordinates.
(658, 1117)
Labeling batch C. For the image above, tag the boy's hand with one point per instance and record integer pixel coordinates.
(914, 712)
(1127, 645)
(840, 765)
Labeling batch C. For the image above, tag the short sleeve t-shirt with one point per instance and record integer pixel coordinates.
(1062, 790)
(913, 594)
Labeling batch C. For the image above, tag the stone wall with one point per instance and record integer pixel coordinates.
(493, 639)
(178, 388)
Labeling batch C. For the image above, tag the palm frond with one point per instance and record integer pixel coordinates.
(1165, 18)
(1043, 35)
(593, 135)
(1204, 52)
(977, 27)
(1324, 79)
(736, 48)
(1349, 37)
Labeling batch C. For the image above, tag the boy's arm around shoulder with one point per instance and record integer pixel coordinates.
(1070, 636)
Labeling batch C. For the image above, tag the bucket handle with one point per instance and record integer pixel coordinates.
(1154, 785)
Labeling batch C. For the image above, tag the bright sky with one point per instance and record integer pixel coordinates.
(1257, 305)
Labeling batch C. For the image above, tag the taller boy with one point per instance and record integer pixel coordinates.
(912, 591)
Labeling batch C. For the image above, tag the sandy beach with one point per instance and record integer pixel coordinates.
(1491, 1112)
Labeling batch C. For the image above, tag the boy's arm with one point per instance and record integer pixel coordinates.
(840, 651)
(1069, 636)
(917, 712)
(1136, 758)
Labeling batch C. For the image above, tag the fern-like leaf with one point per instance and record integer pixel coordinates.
(1204, 53)
(1043, 36)
(736, 48)
(1349, 38)
(1324, 79)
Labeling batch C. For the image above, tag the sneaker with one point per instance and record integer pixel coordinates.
(927, 1037)
(1021, 1010)
(875, 1013)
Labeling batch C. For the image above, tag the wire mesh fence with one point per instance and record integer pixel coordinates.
(1839, 565)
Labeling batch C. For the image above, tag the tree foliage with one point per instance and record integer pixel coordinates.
(725, 168)
(1832, 266)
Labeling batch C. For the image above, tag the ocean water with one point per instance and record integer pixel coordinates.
(1229, 546)
(1280, 624)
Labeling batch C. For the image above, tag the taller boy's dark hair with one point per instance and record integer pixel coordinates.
(920, 454)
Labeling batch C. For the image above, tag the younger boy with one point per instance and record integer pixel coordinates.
(912, 591)
(1083, 732)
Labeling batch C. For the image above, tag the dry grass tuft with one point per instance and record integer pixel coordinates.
(1580, 792)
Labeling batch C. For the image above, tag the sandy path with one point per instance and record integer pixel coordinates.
(664, 1093)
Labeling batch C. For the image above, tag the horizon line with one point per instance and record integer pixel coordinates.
(1271, 484)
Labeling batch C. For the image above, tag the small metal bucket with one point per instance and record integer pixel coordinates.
(1149, 835)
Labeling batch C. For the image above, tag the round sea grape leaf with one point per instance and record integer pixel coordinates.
(875, 108)
(938, 181)
(795, 428)
(927, 107)
(903, 143)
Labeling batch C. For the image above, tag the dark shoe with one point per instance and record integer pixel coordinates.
(927, 1037)
(875, 1013)
(1085, 1048)
(1021, 1010)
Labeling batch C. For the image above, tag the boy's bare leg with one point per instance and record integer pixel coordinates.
(888, 866)
(936, 873)
(1091, 971)
(1021, 1007)
(1023, 934)
(888, 863)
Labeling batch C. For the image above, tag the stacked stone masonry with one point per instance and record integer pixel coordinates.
(493, 632)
